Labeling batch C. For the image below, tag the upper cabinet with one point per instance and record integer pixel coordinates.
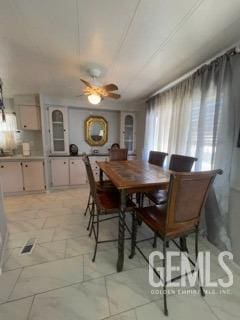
(128, 131)
(58, 122)
(29, 118)
(27, 112)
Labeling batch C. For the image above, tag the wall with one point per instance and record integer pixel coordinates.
(76, 118)
(79, 111)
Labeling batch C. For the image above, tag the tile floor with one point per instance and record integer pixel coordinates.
(58, 280)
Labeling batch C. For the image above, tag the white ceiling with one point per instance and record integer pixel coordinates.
(141, 45)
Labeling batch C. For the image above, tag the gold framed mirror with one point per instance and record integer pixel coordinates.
(96, 130)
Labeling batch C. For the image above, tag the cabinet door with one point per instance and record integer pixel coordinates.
(77, 172)
(33, 177)
(11, 176)
(128, 131)
(60, 172)
(29, 117)
(58, 121)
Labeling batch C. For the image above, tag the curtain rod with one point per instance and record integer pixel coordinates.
(230, 52)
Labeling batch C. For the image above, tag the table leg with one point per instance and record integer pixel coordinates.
(101, 176)
(121, 230)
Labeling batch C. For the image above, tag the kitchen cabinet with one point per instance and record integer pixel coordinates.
(21, 176)
(77, 172)
(28, 117)
(128, 131)
(60, 172)
(58, 122)
(11, 176)
(68, 171)
(33, 176)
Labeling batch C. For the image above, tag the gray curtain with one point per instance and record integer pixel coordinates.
(198, 117)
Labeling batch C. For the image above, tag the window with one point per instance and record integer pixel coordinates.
(8, 133)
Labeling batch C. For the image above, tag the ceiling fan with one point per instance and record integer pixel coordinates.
(97, 92)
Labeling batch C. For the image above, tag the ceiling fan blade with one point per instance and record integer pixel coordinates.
(110, 87)
(86, 83)
(113, 95)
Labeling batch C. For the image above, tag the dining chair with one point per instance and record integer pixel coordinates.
(118, 154)
(107, 202)
(178, 163)
(106, 185)
(178, 217)
(157, 158)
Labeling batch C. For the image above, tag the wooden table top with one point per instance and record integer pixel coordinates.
(135, 174)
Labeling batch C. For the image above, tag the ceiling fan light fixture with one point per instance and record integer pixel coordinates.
(94, 98)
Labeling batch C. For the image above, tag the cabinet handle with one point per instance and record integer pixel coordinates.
(24, 126)
(72, 162)
(64, 162)
(26, 165)
(2, 166)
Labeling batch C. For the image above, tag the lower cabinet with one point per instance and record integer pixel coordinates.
(11, 176)
(33, 177)
(19, 176)
(60, 172)
(67, 171)
(77, 172)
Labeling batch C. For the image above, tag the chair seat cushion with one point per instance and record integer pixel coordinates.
(155, 218)
(109, 202)
(158, 196)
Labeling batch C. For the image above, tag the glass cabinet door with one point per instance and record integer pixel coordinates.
(58, 125)
(129, 132)
(58, 131)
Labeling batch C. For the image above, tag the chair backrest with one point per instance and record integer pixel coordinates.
(118, 154)
(187, 195)
(90, 176)
(157, 158)
(181, 163)
(115, 146)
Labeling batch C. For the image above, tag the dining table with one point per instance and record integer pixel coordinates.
(129, 177)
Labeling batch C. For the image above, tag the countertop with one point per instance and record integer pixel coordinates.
(79, 155)
(21, 157)
(25, 158)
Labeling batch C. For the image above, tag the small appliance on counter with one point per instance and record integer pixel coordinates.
(26, 149)
(73, 149)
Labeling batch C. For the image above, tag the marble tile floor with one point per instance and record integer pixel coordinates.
(58, 280)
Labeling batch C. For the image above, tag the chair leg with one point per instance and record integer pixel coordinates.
(196, 255)
(142, 199)
(90, 217)
(134, 236)
(96, 238)
(155, 241)
(183, 244)
(165, 278)
(91, 220)
(88, 205)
